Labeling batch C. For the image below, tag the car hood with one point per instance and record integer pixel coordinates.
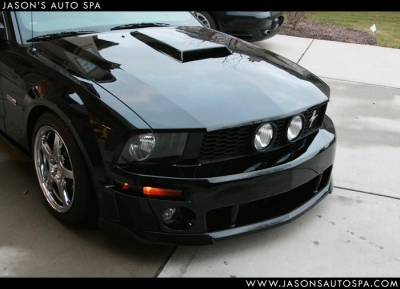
(189, 77)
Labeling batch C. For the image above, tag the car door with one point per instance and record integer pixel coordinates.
(16, 70)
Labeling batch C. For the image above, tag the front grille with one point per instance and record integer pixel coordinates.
(255, 161)
(225, 143)
(237, 142)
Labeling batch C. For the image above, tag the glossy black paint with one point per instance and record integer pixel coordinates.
(181, 89)
(111, 85)
(235, 191)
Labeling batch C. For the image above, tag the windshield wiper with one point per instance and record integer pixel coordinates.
(51, 36)
(139, 25)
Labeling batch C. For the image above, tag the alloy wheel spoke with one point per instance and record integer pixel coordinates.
(45, 150)
(44, 172)
(66, 173)
(63, 193)
(56, 194)
(57, 145)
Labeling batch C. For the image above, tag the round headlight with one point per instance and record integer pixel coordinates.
(142, 146)
(263, 136)
(295, 127)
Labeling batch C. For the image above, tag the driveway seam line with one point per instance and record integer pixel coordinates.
(305, 51)
(165, 261)
(369, 193)
(358, 82)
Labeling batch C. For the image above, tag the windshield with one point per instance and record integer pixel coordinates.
(45, 22)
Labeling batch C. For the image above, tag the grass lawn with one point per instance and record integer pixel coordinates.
(387, 23)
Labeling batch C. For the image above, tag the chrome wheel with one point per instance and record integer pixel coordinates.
(62, 172)
(54, 169)
(205, 18)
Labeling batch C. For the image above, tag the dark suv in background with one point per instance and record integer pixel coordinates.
(247, 25)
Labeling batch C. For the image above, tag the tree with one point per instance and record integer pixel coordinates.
(294, 17)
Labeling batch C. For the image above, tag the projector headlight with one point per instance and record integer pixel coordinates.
(167, 147)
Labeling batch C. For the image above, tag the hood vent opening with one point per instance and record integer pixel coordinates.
(186, 55)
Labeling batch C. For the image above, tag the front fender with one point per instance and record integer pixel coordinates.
(92, 121)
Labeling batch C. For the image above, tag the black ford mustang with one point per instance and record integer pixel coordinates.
(151, 125)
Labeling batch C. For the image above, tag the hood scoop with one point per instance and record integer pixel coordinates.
(185, 53)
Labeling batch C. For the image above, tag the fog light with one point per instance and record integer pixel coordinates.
(169, 215)
(178, 218)
(295, 127)
(263, 136)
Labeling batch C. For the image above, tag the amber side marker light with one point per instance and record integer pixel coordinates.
(150, 191)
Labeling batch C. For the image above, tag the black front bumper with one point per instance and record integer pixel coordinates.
(223, 207)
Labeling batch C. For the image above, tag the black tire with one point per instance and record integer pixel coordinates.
(62, 172)
(206, 19)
